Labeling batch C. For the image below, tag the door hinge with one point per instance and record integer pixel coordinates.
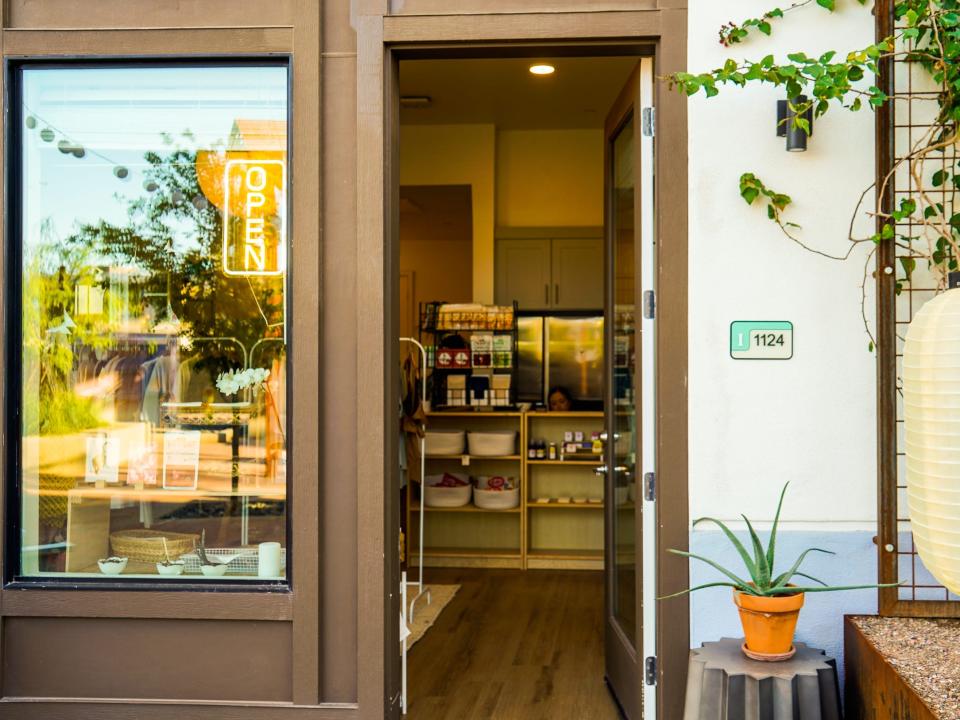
(649, 121)
(649, 304)
(650, 486)
(650, 670)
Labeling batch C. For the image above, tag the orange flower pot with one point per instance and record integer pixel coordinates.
(768, 624)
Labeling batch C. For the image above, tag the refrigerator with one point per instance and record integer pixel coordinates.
(564, 350)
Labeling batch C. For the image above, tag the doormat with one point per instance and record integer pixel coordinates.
(425, 614)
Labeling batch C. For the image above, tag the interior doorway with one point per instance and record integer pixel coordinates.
(518, 514)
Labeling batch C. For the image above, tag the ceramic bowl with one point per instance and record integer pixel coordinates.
(213, 570)
(112, 566)
(175, 568)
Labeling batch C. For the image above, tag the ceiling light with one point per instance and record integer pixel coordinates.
(542, 69)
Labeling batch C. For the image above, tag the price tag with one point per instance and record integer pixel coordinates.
(761, 340)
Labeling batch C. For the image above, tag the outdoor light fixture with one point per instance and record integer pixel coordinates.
(786, 127)
(931, 407)
(542, 69)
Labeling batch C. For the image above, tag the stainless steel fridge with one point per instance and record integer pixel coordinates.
(565, 350)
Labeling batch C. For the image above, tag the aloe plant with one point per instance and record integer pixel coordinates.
(764, 581)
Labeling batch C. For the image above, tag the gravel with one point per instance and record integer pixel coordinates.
(926, 653)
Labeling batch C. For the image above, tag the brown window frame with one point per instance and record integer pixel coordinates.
(12, 281)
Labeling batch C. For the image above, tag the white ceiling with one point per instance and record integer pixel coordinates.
(503, 92)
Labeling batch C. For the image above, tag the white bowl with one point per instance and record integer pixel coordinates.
(493, 442)
(447, 496)
(496, 499)
(213, 570)
(444, 442)
(112, 568)
(175, 568)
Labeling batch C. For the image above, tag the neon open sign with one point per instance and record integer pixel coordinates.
(254, 218)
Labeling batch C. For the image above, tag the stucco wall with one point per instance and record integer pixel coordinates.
(810, 420)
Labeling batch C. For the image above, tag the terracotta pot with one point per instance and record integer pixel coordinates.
(768, 624)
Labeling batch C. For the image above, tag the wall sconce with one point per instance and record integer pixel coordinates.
(796, 136)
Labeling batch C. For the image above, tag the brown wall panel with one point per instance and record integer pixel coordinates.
(338, 370)
(201, 660)
(148, 13)
(445, 7)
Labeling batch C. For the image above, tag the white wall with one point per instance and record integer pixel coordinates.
(809, 420)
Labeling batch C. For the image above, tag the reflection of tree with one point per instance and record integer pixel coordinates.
(51, 271)
(173, 233)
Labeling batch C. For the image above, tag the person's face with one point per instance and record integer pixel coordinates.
(559, 402)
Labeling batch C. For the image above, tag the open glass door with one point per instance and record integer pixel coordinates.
(629, 518)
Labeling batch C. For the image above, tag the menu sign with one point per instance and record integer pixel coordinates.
(181, 459)
(103, 459)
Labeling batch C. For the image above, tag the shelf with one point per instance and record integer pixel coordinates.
(471, 458)
(566, 554)
(566, 414)
(492, 411)
(467, 509)
(572, 463)
(469, 552)
(565, 506)
(495, 331)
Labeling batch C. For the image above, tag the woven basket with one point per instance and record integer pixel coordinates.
(147, 545)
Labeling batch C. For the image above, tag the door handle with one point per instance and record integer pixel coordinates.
(600, 471)
(604, 436)
(619, 469)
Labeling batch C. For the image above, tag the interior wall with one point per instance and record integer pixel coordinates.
(458, 155)
(549, 178)
(518, 178)
(436, 243)
(810, 420)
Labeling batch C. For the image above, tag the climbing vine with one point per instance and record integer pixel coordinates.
(924, 223)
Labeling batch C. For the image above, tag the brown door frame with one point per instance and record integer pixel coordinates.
(382, 39)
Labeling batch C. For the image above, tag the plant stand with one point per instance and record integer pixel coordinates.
(722, 682)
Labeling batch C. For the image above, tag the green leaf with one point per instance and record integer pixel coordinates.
(740, 582)
(828, 4)
(771, 546)
(698, 587)
(829, 588)
(735, 541)
(782, 579)
(909, 265)
(855, 73)
(763, 569)
(810, 577)
(749, 195)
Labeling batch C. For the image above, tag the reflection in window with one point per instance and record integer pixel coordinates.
(153, 261)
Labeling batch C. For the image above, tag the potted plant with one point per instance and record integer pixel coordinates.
(769, 603)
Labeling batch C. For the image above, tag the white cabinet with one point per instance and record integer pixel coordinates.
(523, 273)
(550, 273)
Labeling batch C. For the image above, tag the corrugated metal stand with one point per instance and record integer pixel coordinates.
(723, 684)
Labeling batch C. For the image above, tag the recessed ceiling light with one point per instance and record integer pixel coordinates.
(542, 69)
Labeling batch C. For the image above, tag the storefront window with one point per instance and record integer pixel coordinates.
(152, 239)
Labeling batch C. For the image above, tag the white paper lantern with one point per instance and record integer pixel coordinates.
(931, 407)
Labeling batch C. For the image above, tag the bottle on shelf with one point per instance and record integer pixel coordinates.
(553, 451)
(532, 450)
(541, 449)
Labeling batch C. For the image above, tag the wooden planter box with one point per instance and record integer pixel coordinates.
(874, 689)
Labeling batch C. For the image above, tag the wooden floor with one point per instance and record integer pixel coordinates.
(513, 644)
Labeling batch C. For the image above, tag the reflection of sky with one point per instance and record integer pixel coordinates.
(116, 115)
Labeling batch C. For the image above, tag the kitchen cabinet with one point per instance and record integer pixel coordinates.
(559, 273)
(577, 273)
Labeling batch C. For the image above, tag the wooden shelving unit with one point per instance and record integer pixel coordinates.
(533, 535)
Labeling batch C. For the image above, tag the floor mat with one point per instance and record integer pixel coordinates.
(425, 614)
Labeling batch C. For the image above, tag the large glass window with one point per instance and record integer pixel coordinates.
(151, 236)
